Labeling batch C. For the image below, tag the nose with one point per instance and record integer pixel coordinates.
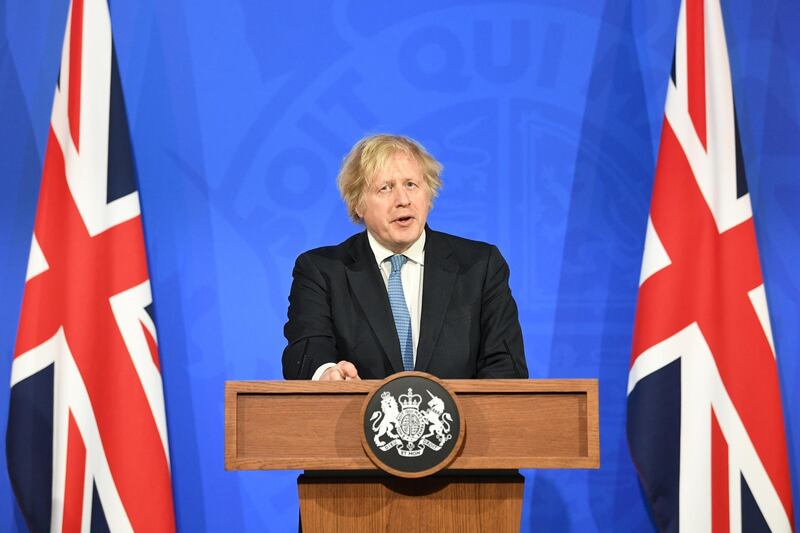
(402, 198)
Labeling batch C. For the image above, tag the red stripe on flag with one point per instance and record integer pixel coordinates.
(151, 345)
(38, 320)
(720, 489)
(75, 65)
(74, 483)
(707, 269)
(696, 67)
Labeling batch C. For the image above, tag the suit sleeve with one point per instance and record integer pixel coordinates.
(309, 331)
(502, 352)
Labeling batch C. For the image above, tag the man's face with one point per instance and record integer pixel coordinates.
(396, 203)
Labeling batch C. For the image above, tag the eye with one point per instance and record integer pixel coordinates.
(411, 185)
(385, 188)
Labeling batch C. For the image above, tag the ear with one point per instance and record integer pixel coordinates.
(359, 209)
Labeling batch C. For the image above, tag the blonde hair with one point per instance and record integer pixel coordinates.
(369, 156)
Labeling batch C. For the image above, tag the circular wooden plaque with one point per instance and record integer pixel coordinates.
(412, 425)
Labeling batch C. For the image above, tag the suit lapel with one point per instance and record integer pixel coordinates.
(437, 286)
(370, 291)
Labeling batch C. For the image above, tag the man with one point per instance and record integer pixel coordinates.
(400, 296)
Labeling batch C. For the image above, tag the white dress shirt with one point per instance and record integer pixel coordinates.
(411, 276)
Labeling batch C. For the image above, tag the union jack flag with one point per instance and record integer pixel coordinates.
(87, 436)
(705, 423)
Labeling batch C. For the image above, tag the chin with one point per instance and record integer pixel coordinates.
(408, 235)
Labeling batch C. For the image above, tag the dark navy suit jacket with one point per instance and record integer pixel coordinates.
(339, 310)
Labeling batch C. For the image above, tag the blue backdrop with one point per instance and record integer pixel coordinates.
(546, 115)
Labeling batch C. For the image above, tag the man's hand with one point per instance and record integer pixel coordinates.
(344, 370)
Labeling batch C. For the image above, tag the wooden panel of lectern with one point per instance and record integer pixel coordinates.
(317, 427)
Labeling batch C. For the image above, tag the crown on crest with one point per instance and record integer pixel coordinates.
(385, 394)
(410, 400)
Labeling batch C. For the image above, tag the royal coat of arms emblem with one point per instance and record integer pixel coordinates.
(409, 429)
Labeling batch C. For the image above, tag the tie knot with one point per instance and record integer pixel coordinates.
(397, 262)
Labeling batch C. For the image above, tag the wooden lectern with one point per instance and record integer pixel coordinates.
(316, 427)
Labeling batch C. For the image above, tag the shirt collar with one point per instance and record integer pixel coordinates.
(415, 252)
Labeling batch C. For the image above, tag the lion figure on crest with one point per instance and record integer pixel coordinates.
(383, 421)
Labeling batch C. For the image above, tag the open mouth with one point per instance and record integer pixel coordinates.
(404, 220)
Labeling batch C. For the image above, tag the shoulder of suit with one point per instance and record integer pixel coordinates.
(336, 252)
(459, 244)
(460, 252)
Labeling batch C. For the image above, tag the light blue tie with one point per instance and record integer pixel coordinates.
(402, 319)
